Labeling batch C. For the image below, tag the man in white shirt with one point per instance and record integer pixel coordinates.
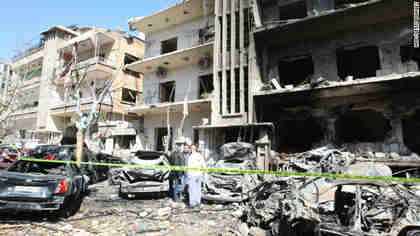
(195, 160)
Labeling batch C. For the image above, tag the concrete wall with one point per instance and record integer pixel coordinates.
(182, 78)
(187, 35)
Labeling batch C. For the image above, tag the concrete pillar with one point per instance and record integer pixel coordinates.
(263, 146)
(395, 139)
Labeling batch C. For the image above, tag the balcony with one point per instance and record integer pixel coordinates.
(68, 109)
(174, 60)
(175, 15)
(94, 67)
(26, 113)
(200, 105)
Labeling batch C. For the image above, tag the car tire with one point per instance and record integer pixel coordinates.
(413, 232)
(70, 206)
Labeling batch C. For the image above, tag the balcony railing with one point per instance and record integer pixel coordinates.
(93, 61)
(34, 49)
(26, 110)
(83, 101)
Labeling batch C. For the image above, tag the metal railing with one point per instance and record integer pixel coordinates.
(83, 101)
(92, 61)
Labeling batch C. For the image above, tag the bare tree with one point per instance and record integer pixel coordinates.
(77, 79)
(10, 102)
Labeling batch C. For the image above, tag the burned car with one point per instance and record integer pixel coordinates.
(8, 155)
(327, 207)
(43, 186)
(230, 186)
(133, 180)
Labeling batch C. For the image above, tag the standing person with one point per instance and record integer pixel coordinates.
(176, 179)
(195, 160)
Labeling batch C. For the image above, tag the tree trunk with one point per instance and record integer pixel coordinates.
(79, 147)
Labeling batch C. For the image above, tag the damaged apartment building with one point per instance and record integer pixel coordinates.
(48, 70)
(338, 72)
(196, 68)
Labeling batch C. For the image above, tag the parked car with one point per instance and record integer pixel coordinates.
(8, 155)
(134, 181)
(43, 186)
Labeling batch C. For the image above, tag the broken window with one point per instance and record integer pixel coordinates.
(129, 95)
(362, 126)
(411, 130)
(228, 26)
(162, 138)
(410, 53)
(125, 141)
(167, 92)
(196, 136)
(360, 62)
(169, 45)
(294, 10)
(295, 70)
(206, 86)
(128, 59)
(298, 135)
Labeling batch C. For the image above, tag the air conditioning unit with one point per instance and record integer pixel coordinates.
(161, 72)
(204, 63)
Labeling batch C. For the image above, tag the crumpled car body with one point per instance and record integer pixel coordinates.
(231, 187)
(133, 180)
(318, 206)
(42, 186)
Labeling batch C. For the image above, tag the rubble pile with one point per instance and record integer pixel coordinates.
(231, 187)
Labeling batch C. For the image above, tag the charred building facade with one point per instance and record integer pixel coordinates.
(337, 72)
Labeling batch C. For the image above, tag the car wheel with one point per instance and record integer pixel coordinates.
(413, 232)
(70, 206)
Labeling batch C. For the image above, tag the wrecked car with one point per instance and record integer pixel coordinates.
(8, 155)
(133, 180)
(96, 173)
(231, 187)
(327, 207)
(43, 186)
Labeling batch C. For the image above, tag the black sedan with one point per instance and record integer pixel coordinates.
(43, 186)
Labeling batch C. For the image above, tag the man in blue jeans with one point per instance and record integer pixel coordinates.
(177, 176)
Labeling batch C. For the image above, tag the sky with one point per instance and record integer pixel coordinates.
(21, 21)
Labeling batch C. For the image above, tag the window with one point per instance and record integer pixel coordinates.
(125, 141)
(206, 86)
(167, 92)
(129, 95)
(128, 59)
(161, 138)
(169, 45)
(409, 53)
(196, 136)
(293, 11)
(361, 62)
(295, 70)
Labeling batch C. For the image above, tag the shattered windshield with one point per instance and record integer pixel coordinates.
(28, 167)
